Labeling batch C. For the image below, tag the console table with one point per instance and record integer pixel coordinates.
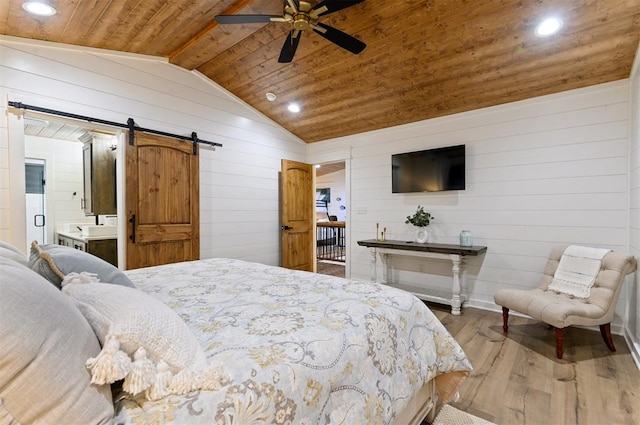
(455, 253)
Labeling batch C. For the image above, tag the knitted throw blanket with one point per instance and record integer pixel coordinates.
(577, 271)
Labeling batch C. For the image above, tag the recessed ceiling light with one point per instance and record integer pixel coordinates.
(39, 8)
(271, 97)
(294, 107)
(548, 27)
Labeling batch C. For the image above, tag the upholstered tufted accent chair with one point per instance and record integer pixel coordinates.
(560, 310)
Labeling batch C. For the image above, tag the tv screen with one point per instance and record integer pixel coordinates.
(431, 170)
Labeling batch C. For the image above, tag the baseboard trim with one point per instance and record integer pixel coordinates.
(634, 347)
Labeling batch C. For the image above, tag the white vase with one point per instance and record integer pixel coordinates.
(422, 235)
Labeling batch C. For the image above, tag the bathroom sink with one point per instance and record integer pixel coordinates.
(99, 230)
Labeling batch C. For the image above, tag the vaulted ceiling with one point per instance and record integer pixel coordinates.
(423, 59)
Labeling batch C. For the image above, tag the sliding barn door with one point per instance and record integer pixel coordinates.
(297, 211)
(162, 201)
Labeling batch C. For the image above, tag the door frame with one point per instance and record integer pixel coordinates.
(18, 202)
(17, 156)
(121, 208)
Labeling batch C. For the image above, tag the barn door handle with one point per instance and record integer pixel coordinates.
(287, 228)
(132, 220)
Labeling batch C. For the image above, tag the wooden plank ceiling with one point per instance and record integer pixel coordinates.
(423, 59)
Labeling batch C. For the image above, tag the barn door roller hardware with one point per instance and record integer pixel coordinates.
(130, 125)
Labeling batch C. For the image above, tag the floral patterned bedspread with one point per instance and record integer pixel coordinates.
(300, 348)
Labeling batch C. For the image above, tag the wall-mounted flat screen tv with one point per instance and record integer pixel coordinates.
(431, 170)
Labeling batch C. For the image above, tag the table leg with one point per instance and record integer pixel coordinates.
(386, 270)
(463, 281)
(456, 302)
(373, 265)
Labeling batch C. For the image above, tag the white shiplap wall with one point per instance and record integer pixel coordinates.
(239, 182)
(540, 172)
(633, 299)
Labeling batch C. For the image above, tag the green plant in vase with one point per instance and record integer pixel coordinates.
(421, 219)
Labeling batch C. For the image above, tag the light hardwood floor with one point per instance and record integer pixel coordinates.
(331, 269)
(517, 378)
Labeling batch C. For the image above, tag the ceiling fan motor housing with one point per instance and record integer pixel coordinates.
(301, 20)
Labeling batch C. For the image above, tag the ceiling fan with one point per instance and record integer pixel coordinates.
(302, 16)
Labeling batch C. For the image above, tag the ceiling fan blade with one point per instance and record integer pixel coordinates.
(295, 5)
(290, 46)
(245, 19)
(333, 6)
(340, 38)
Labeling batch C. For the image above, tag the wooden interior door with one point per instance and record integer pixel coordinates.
(297, 216)
(162, 201)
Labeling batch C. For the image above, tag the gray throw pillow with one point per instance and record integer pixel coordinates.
(54, 262)
(44, 345)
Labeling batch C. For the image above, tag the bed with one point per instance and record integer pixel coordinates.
(289, 347)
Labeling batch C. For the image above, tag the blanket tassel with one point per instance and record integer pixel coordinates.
(160, 388)
(142, 375)
(111, 364)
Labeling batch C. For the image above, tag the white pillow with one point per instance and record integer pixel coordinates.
(130, 324)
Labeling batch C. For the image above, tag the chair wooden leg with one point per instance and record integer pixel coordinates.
(505, 319)
(559, 342)
(605, 331)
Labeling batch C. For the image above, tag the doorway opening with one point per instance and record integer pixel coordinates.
(331, 217)
(54, 147)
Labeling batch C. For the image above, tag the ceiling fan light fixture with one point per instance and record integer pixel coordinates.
(548, 27)
(39, 8)
(294, 107)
